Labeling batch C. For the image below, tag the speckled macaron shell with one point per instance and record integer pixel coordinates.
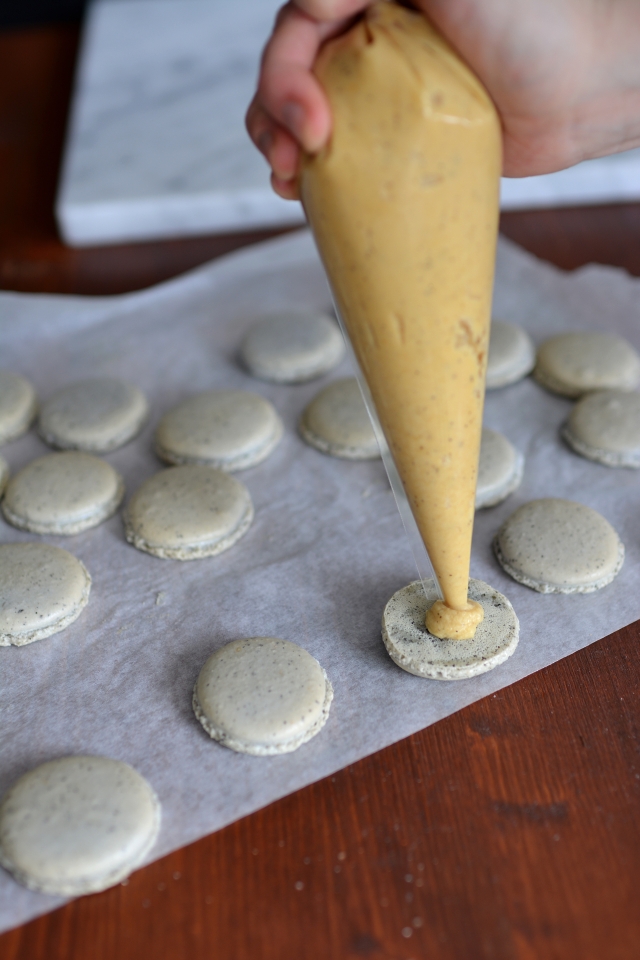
(262, 695)
(63, 493)
(77, 825)
(4, 475)
(499, 471)
(605, 427)
(292, 346)
(511, 356)
(559, 546)
(414, 649)
(43, 589)
(96, 415)
(336, 422)
(227, 429)
(18, 405)
(573, 364)
(187, 513)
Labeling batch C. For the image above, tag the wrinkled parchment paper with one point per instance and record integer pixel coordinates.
(326, 550)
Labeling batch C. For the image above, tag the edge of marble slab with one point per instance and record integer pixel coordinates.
(166, 218)
(169, 217)
(611, 179)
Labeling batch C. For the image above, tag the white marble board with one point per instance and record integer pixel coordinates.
(157, 146)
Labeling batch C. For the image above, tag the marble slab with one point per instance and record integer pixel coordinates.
(157, 146)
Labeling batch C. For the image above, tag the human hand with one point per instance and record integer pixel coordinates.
(290, 109)
(563, 74)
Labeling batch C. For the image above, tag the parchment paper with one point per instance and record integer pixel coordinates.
(325, 553)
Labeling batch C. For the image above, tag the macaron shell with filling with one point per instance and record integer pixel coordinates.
(415, 650)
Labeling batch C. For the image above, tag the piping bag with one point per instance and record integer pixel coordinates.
(403, 203)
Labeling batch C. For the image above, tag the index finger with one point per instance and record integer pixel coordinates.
(287, 88)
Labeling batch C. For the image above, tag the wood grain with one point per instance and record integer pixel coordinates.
(510, 831)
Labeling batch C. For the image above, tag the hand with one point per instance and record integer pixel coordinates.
(290, 109)
(564, 75)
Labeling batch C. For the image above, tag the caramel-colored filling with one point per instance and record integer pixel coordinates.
(448, 624)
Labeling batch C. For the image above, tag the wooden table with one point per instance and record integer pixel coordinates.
(510, 831)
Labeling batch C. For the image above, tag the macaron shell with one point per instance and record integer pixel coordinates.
(336, 422)
(511, 357)
(559, 546)
(573, 364)
(77, 825)
(605, 427)
(96, 415)
(292, 346)
(63, 493)
(262, 695)
(18, 405)
(187, 513)
(4, 475)
(43, 589)
(227, 429)
(500, 469)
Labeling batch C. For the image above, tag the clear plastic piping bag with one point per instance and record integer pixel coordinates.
(421, 557)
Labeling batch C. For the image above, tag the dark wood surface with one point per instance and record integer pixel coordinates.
(510, 831)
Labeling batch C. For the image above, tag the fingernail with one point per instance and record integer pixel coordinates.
(293, 118)
(287, 189)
